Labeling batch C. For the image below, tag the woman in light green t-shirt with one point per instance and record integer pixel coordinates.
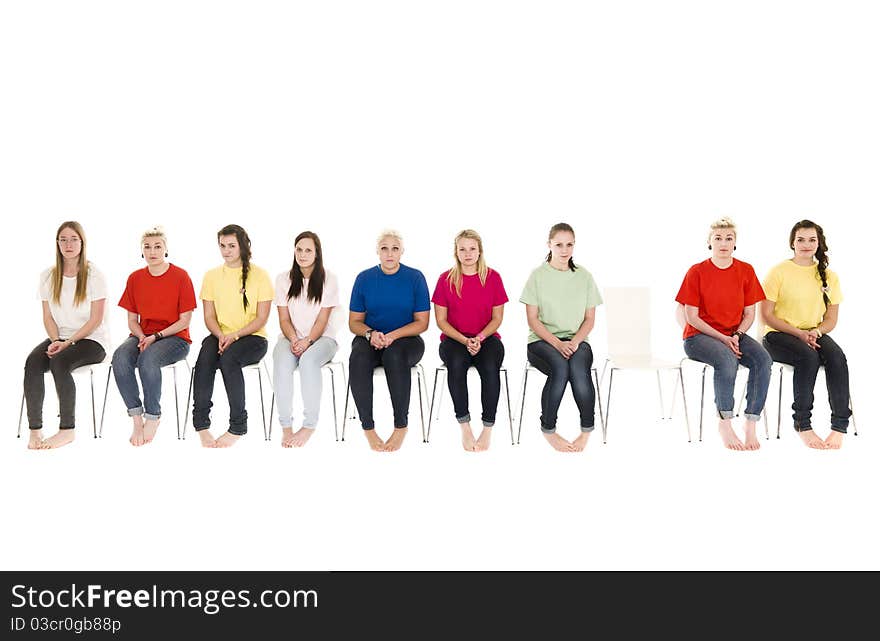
(561, 299)
(801, 308)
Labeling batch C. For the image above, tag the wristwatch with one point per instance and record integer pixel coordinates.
(739, 333)
(367, 334)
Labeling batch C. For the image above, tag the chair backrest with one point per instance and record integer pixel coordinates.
(628, 321)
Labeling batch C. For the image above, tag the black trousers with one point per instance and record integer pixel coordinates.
(487, 362)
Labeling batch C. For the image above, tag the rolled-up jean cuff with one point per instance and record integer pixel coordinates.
(235, 433)
(463, 419)
(152, 417)
(367, 427)
(488, 424)
(551, 430)
(835, 428)
(725, 414)
(587, 428)
(136, 411)
(753, 417)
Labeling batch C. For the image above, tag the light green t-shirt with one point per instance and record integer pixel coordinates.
(562, 298)
(797, 292)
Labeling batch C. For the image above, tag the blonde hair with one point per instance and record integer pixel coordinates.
(389, 233)
(56, 276)
(722, 223)
(156, 231)
(455, 274)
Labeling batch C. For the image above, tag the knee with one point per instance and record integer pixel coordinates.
(147, 364)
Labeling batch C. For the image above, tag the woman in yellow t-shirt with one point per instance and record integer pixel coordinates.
(801, 308)
(237, 298)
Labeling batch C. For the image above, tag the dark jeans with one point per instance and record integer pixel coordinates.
(397, 360)
(488, 363)
(559, 371)
(725, 364)
(785, 348)
(85, 352)
(245, 351)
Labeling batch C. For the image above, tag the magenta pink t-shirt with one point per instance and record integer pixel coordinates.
(471, 312)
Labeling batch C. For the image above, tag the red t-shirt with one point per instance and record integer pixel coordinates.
(471, 312)
(720, 294)
(159, 300)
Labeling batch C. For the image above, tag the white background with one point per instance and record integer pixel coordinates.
(636, 122)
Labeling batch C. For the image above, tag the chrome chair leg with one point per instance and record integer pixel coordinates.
(20, 416)
(420, 381)
(702, 403)
(595, 372)
(522, 404)
(433, 396)
(607, 408)
(104, 404)
(262, 404)
(660, 390)
(687, 421)
(192, 375)
(779, 404)
(94, 416)
(509, 411)
(333, 395)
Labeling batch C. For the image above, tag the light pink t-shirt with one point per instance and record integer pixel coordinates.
(304, 312)
(471, 312)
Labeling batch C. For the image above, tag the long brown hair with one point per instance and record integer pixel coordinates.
(56, 276)
(454, 275)
(244, 246)
(316, 280)
(821, 252)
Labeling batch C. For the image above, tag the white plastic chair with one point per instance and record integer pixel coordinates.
(173, 367)
(85, 369)
(326, 367)
(418, 371)
(531, 368)
(628, 314)
(258, 367)
(441, 372)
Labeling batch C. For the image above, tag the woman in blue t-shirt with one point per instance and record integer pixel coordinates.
(389, 309)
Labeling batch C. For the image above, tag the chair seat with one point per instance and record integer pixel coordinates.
(641, 361)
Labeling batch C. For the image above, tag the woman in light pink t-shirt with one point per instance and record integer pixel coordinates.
(305, 297)
(469, 307)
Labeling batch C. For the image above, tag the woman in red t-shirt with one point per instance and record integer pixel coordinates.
(719, 297)
(469, 307)
(160, 301)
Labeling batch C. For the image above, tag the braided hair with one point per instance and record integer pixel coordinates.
(244, 245)
(558, 227)
(316, 281)
(821, 252)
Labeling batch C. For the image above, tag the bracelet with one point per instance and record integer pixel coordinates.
(158, 336)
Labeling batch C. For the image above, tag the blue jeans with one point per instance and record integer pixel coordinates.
(149, 363)
(559, 371)
(245, 351)
(724, 362)
(806, 361)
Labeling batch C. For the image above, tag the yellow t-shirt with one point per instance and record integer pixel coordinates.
(222, 286)
(797, 292)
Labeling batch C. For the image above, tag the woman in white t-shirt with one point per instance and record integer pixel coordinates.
(73, 294)
(306, 297)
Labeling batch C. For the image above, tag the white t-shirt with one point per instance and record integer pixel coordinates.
(303, 312)
(69, 317)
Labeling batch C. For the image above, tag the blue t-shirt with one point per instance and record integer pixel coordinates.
(390, 300)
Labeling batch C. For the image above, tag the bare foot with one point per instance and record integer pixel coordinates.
(752, 442)
(63, 437)
(150, 427)
(834, 440)
(811, 440)
(35, 441)
(302, 436)
(376, 443)
(482, 443)
(396, 439)
(207, 439)
(559, 444)
(227, 439)
(287, 437)
(580, 442)
(728, 436)
(467, 437)
(137, 431)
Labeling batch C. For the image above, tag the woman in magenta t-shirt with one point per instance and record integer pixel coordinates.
(160, 301)
(469, 307)
(719, 297)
